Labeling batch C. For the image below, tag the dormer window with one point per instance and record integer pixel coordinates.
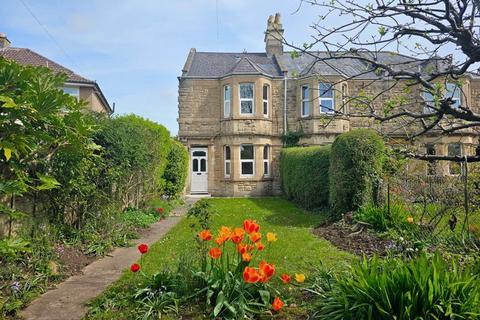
(325, 98)
(227, 94)
(246, 99)
(266, 96)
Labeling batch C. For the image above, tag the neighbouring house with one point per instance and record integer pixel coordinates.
(234, 109)
(76, 85)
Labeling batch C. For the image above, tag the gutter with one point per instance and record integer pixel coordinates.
(285, 82)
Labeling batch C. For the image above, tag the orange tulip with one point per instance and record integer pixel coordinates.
(237, 235)
(271, 237)
(241, 248)
(225, 232)
(246, 257)
(255, 236)
(285, 278)
(220, 240)
(266, 271)
(277, 304)
(205, 235)
(250, 226)
(259, 246)
(250, 275)
(215, 253)
(250, 247)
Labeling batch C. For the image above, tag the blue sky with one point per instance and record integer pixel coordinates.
(135, 49)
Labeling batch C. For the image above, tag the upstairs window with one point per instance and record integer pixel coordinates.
(455, 92)
(228, 164)
(227, 93)
(246, 98)
(247, 160)
(73, 91)
(266, 160)
(266, 96)
(325, 98)
(305, 101)
(454, 149)
(431, 165)
(344, 98)
(429, 102)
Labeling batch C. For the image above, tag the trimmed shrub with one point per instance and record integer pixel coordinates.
(176, 170)
(355, 169)
(304, 173)
(424, 288)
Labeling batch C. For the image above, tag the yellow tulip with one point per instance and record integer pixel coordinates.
(271, 237)
(299, 277)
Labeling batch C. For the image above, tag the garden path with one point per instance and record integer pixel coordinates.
(67, 301)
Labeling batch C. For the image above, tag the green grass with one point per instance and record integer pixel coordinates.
(297, 249)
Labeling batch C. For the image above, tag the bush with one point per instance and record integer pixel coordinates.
(394, 289)
(355, 169)
(176, 170)
(380, 220)
(304, 173)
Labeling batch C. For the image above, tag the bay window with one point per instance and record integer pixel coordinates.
(228, 164)
(266, 162)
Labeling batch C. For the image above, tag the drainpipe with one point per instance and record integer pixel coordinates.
(285, 81)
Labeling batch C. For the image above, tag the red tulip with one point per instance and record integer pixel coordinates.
(143, 248)
(135, 267)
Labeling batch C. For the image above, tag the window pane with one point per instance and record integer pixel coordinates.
(265, 152)
(265, 107)
(226, 95)
(265, 168)
(195, 165)
(305, 93)
(203, 165)
(199, 153)
(246, 91)
(454, 92)
(246, 152)
(265, 92)
(247, 168)
(326, 90)
(227, 153)
(73, 91)
(305, 108)
(247, 106)
(227, 168)
(227, 108)
(326, 106)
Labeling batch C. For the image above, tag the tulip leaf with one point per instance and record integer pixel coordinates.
(265, 295)
(219, 303)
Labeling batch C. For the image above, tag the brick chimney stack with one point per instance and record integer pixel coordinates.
(4, 42)
(274, 36)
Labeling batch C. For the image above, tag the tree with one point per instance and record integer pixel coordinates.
(428, 32)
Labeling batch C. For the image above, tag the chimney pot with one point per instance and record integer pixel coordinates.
(4, 42)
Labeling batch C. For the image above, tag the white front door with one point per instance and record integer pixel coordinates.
(199, 170)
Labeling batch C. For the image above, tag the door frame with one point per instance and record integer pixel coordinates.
(192, 150)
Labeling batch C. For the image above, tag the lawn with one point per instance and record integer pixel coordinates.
(297, 249)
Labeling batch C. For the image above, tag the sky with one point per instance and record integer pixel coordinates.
(136, 49)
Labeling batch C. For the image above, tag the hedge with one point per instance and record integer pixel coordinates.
(355, 169)
(304, 174)
(176, 170)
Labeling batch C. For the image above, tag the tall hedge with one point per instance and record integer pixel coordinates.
(355, 169)
(304, 174)
(176, 170)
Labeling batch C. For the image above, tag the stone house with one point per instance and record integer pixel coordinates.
(76, 85)
(234, 109)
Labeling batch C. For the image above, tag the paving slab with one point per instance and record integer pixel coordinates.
(68, 300)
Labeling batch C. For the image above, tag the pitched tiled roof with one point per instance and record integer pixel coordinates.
(28, 57)
(220, 64)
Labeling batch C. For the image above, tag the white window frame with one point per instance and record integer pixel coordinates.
(75, 94)
(227, 101)
(247, 160)
(227, 161)
(266, 161)
(265, 101)
(457, 90)
(240, 99)
(305, 101)
(321, 99)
